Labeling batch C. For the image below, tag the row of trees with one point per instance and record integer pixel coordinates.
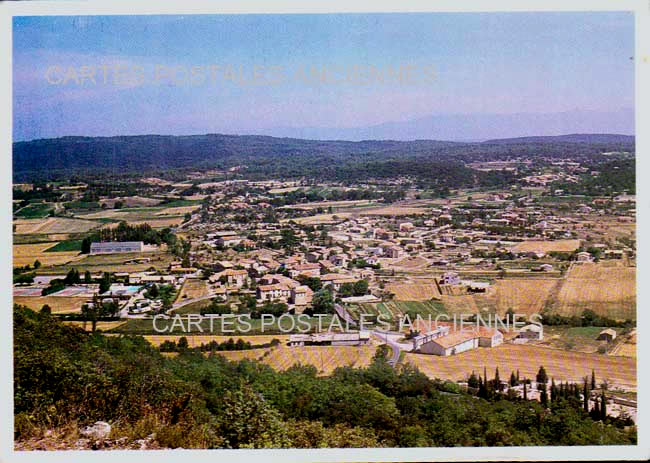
(126, 232)
(587, 318)
(572, 394)
(182, 345)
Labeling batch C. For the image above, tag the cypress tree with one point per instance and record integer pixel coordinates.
(603, 406)
(513, 379)
(543, 397)
(553, 390)
(497, 380)
(595, 411)
(482, 388)
(517, 376)
(541, 376)
(525, 394)
(472, 381)
(585, 398)
(593, 379)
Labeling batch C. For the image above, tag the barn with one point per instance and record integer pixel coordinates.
(114, 247)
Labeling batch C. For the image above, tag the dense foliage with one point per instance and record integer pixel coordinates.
(63, 374)
(88, 157)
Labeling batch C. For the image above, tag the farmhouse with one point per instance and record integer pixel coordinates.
(450, 278)
(607, 335)
(451, 344)
(274, 292)
(229, 241)
(532, 331)
(114, 247)
(232, 277)
(301, 295)
(439, 343)
(393, 252)
(310, 270)
(584, 257)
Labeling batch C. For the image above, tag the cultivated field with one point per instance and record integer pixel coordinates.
(53, 225)
(627, 348)
(394, 210)
(321, 218)
(326, 204)
(116, 262)
(101, 326)
(131, 201)
(471, 303)
(411, 263)
(155, 181)
(24, 254)
(607, 288)
(524, 296)
(547, 246)
(193, 288)
(325, 358)
(59, 304)
(575, 338)
(561, 365)
(176, 211)
(414, 291)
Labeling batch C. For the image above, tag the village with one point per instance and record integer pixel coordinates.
(295, 248)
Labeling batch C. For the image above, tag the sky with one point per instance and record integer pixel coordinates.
(247, 74)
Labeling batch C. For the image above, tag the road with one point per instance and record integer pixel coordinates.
(390, 338)
(343, 314)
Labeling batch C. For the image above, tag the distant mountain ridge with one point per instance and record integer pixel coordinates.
(464, 127)
(571, 138)
(140, 153)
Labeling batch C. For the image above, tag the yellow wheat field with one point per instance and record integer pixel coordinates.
(395, 210)
(561, 365)
(59, 304)
(524, 296)
(197, 340)
(320, 218)
(325, 358)
(24, 254)
(607, 290)
(103, 326)
(547, 246)
(193, 288)
(411, 263)
(178, 210)
(53, 225)
(414, 291)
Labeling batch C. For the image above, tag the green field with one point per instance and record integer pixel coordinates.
(576, 338)
(396, 309)
(63, 246)
(34, 211)
(145, 326)
(82, 205)
(179, 203)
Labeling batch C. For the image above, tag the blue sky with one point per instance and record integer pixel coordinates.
(483, 63)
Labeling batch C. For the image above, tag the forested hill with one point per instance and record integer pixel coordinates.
(62, 157)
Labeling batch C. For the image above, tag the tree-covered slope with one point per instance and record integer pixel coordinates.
(65, 378)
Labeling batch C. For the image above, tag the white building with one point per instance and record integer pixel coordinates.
(114, 247)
